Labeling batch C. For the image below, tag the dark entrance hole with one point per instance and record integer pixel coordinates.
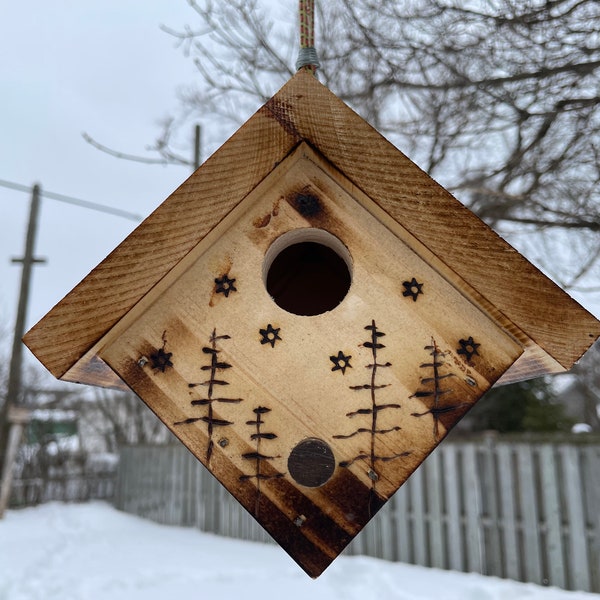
(309, 277)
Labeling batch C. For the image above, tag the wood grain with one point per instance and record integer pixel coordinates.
(557, 330)
(311, 422)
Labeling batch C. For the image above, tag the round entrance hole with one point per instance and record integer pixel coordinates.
(307, 271)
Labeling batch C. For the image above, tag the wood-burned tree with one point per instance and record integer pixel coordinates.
(257, 455)
(433, 389)
(212, 383)
(372, 431)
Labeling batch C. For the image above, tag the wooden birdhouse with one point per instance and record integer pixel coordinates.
(310, 314)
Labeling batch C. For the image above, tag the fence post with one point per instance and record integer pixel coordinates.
(472, 508)
(550, 490)
(577, 555)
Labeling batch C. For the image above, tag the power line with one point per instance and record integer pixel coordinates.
(75, 201)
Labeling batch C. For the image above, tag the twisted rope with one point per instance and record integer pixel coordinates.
(307, 55)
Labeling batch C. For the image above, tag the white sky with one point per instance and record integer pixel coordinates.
(66, 66)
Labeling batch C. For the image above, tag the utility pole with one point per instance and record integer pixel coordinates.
(11, 425)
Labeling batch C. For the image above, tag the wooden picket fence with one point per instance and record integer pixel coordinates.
(522, 510)
(63, 488)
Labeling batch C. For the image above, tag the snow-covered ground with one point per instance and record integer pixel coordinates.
(92, 552)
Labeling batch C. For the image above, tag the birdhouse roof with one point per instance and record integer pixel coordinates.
(553, 329)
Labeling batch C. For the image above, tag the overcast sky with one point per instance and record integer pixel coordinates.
(100, 66)
(66, 66)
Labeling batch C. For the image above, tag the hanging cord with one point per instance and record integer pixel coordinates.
(307, 55)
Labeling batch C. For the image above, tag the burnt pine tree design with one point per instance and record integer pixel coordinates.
(433, 388)
(370, 456)
(257, 456)
(212, 383)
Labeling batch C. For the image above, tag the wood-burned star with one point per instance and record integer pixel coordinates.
(412, 288)
(468, 348)
(161, 360)
(225, 285)
(270, 335)
(340, 362)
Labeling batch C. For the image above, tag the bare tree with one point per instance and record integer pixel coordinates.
(496, 99)
(584, 392)
(121, 418)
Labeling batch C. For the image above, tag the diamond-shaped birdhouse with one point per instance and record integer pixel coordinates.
(310, 314)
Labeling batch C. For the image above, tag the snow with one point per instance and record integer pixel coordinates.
(53, 414)
(92, 552)
(581, 428)
(62, 445)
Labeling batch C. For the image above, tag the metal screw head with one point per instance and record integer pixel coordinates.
(299, 520)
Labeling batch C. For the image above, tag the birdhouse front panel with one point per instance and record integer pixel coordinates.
(311, 354)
